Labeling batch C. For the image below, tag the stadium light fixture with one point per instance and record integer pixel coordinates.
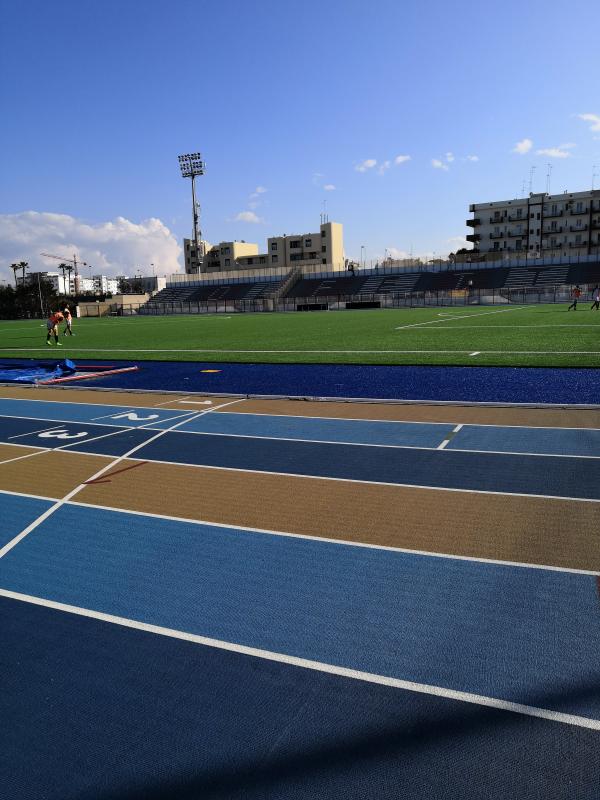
(191, 166)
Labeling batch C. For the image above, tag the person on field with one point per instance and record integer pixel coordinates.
(575, 294)
(596, 296)
(52, 326)
(68, 321)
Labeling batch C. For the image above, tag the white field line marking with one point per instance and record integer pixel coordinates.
(443, 444)
(458, 427)
(475, 353)
(40, 430)
(98, 474)
(27, 494)
(418, 422)
(319, 538)
(463, 316)
(168, 402)
(20, 458)
(195, 402)
(312, 538)
(318, 666)
(73, 400)
(325, 352)
(370, 483)
(507, 327)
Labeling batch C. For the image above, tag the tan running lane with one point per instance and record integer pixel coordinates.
(548, 532)
(8, 451)
(74, 395)
(50, 473)
(475, 415)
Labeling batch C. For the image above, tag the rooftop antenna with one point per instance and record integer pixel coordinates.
(191, 166)
(324, 217)
(548, 176)
(531, 174)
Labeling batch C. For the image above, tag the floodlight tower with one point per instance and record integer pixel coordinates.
(192, 165)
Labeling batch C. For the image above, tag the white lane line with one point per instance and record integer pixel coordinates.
(458, 427)
(317, 537)
(196, 402)
(463, 316)
(317, 666)
(168, 402)
(506, 327)
(33, 525)
(30, 433)
(370, 483)
(443, 444)
(475, 353)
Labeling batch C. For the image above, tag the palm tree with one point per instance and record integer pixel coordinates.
(23, 265)
(15, 268)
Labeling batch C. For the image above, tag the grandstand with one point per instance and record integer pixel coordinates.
(437, 283)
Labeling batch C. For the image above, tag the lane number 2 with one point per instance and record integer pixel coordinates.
(135, 417)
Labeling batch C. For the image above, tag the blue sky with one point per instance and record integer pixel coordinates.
(99, 98)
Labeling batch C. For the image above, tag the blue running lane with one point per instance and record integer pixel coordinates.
(553, 441)
(94, 710)
(520, 634)
(87, 412)
(17, 513)
(416, 434)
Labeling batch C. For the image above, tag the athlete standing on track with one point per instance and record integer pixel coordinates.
(68, 321)
(52, 325)
(575, 294)
(596, 296)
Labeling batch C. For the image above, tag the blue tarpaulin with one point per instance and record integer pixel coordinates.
(30, 372)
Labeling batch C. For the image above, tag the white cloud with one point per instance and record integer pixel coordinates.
(249, 216)
(472, 158)
(401, 159)
(253, 204)
(260, 190)
(369, 163)
(522, 147)
(457, 242)
(117, 247)
(329, 187)
(395, 253)
(437, 164)
(384, 166)
(450, 157)
(562, 151)
(593, 118)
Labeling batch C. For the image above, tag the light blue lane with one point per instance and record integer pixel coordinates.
(16, 513)
(86, 412)
(416, 434)
(521, 634)
(551, 441)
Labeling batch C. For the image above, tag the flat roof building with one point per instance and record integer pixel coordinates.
(324, 247)
(539, 225)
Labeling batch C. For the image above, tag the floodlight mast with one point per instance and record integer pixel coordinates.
(191, 165)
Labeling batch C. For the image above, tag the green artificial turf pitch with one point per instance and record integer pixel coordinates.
(545, 335)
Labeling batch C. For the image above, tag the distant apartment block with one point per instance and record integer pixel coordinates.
(65, 285)
(539, 225)
(324, 247)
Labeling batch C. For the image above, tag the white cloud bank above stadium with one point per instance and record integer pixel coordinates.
(117, 247)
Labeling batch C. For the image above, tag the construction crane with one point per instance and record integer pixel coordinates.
(69, 265)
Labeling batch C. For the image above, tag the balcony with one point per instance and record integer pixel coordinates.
(473, 237)
(516, 218)
(577, 244)
(574, 211)
(496, 220)
(595, 224)
(516, 234)
(497, 235)
(550, 231)
(580, 229)
(548, 214)
(472, 223)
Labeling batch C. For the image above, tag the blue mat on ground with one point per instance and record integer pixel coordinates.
(459, 384)
(32, 371)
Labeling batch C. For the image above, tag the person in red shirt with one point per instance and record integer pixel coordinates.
(575, 294)
(52, 325)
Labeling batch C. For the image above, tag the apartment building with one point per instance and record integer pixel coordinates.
(323, 247)
(539, 225)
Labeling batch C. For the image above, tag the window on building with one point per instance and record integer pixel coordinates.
(296, 257)
(312, 255)
(496, 215)
(579, 206)
(578, 239)
(227, 262)
(579, 223)
(274, 259)
(250, 261)
(519, 244)
(554, 208)
(308, 243)
(323, 261)
(322, 234)
(273, 247)
(262, 260)
(496, 231)
(553, 226)
(296, 243)
(496, 245)
(324, 248)
(519, 212)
